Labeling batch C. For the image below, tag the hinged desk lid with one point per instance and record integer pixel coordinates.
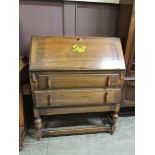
(69, 53)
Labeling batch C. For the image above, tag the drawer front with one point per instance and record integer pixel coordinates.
(77, 81)
(78, 97)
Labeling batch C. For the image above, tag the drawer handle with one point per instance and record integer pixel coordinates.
(112, 81)
(50, 99)
(105, 97)
(49, 83)
(109, 81)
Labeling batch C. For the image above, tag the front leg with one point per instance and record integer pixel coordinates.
(114, 118)
(38, 124)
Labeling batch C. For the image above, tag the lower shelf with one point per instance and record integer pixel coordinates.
(82, 130)
(72, 124)
(75, 124)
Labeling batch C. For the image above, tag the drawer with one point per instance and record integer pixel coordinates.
(77, 81)
(76, 97)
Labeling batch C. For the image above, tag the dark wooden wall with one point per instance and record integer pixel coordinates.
(64, 18)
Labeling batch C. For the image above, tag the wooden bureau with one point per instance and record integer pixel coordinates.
(65, 80)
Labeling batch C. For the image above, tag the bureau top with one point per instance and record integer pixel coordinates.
(61, 53)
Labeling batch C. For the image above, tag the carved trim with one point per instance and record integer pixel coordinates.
(49, 82)
(105, 97)
(50, 99)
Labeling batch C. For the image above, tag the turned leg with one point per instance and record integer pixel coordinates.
(114, 118)
(38, 124)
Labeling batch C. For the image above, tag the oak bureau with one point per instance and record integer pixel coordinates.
(76, 75)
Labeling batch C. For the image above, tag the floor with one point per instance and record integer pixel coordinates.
(121, 143)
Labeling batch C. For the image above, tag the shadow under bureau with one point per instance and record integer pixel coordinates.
(70, 75)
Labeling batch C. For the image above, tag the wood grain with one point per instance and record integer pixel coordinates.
(75, 97)
(77, 81)
(55, 53)
(74, 110)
